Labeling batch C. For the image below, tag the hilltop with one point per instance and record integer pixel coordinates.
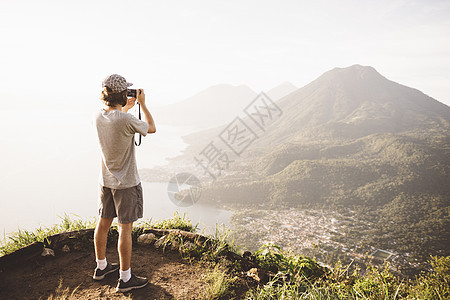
(179, 263)
(170, 277)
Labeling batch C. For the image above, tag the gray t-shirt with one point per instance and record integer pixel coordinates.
(116, 131)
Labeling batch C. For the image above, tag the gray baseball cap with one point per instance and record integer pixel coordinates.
(116, 83)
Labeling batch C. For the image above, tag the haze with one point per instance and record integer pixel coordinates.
(54, 55)
(177, 48)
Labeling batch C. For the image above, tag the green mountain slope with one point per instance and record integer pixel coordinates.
(351, 140)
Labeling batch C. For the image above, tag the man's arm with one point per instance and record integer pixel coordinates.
(147, 115)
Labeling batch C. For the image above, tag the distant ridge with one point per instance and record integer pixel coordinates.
(281, 90)
(214, 106)
(344, 103)
(211, 107)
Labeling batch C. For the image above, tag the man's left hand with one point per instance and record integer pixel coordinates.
(130, 103)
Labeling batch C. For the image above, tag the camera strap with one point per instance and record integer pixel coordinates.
(140, 136)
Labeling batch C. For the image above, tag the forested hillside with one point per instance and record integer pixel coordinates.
(350, 140)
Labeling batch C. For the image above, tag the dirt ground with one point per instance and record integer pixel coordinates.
(170, 277)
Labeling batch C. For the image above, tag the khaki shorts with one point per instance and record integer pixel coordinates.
(125, 204)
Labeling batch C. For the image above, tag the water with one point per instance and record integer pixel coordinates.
(157, 205)
(50, 163)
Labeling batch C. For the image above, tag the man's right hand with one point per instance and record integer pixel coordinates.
(140, 96)
(147, 115)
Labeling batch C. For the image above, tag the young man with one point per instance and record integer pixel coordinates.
(120, 187)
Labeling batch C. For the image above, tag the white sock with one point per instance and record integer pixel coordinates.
(101, 263)
(125, 275)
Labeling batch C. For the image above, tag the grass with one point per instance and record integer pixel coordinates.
(21, 238)
(218, 284)
(176, 222)
(62, 293)
(218, 243)
(210, 250)
(301, 278)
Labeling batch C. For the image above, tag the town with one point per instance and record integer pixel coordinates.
(321, 234)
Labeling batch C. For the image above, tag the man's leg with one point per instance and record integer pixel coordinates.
(127, 281)
(124, 245)
(101, 237)
(129, 207)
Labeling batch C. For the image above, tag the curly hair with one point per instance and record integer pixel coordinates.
(112, 99)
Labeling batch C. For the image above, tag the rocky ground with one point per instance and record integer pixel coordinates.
(170, 277)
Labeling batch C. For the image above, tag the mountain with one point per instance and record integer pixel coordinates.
(349, 140)
(211, 107)
(281, 90)
(343, 103)
(214, 106)
(354, 102)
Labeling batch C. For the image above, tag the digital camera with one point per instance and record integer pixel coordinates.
(131, 93)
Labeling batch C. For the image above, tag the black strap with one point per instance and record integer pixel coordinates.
(140, 135)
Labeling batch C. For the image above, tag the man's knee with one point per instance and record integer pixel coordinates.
(125, 228)
(104, 224)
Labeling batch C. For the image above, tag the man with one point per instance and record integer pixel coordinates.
(120, 187)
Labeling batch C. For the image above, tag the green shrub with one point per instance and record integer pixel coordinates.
(271, 257)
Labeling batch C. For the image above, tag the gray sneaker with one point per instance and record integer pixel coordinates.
(135, 282)
(100, 274)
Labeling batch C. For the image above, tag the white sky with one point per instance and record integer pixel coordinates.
(174, 49)
(55, 54)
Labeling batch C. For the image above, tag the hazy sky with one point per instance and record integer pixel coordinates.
(56, 53)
